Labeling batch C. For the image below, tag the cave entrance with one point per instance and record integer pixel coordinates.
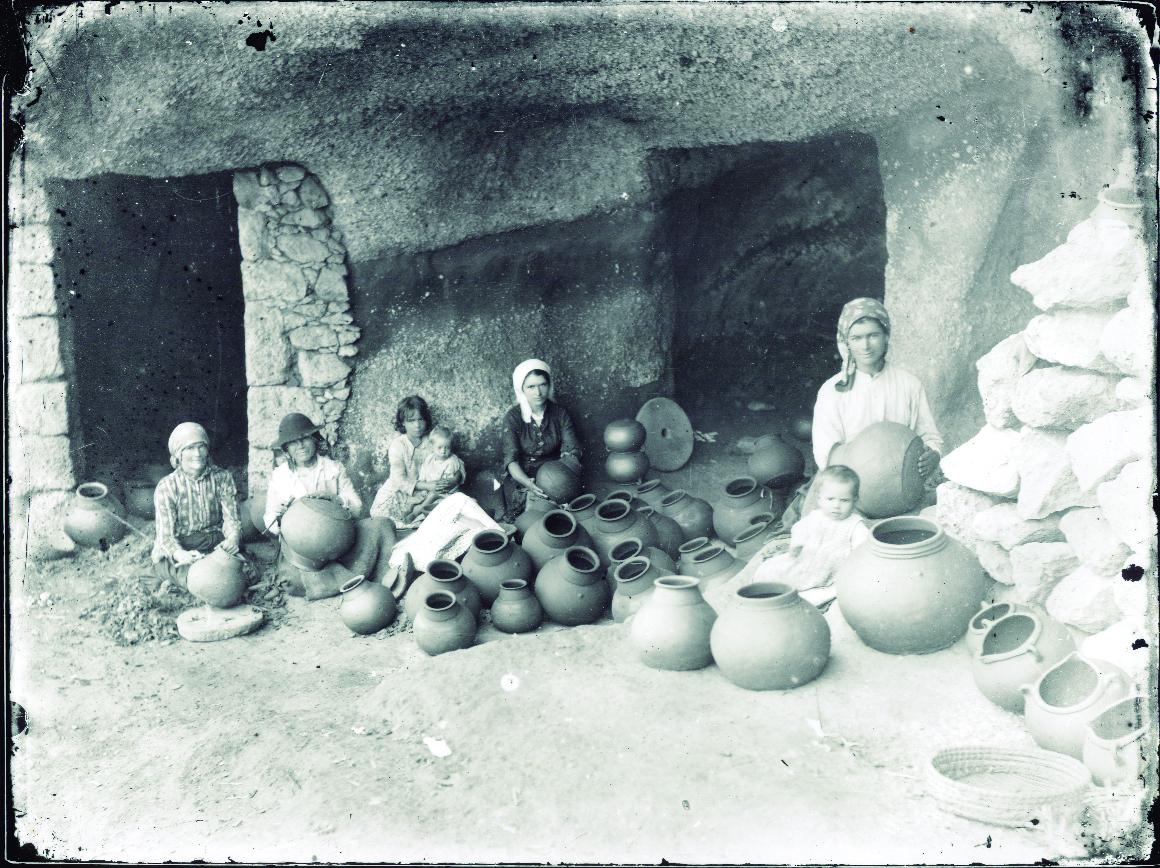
(764, 243)
(150, 281)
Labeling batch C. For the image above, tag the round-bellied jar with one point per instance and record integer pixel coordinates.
(571, 588)
(443, 624)
(693, 515)
(217, 579)
(1017, 649)
(634, 581)
(671, 630)
(669, 536)
(442, 575)
(1067, 697)
(516, 609)
(366, 607)
(318, 529)
(92, 516)
(555, 532)
(494, 557)
(712, 564)
(616, 522)
(624, 435)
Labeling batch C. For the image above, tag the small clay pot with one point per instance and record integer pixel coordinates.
(634, 581)
(686, 550)
(442, 575)
(671, 630)
(366, 607)
(558, 481)
(92, 516)
(773, 461)
(1016, 650)
(217, 579)
(494, 558)
(552, 535)
(669, 536)
(1113, 747)
(571, 588)
(743, 499)
(626, 466)
(695, 516)
(583, 509)
(652, 491)
(747, 543)
(624, 435)
(1067, 697)
(443, 624)
(516, 609)
(318, 529)
(711, 564)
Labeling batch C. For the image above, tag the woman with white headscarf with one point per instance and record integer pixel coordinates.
(536, 430)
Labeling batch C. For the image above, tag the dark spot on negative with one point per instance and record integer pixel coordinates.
(940, 117)
(1132, 573)
(1138, 644)
(257, 41)
(685, 61)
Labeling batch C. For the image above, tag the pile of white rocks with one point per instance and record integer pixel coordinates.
(1054, 494)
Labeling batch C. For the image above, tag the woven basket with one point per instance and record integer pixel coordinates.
(1007, 787)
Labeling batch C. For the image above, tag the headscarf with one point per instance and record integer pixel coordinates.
(185, 434)
(520, 374)
(859, 308)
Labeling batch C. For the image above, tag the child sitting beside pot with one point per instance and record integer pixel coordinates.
(440, 466)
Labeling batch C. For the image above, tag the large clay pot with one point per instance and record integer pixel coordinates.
(139, 497)
(443, 624)
(743, 499)
(910, 589)
(711, 564)
(1067, 697)
(669, 536)
(686, 550)
(885, 457)
(532, 513)
(652, 491)
(980, 625)
(366, 607)
(1113, 748)
(626, 466)
(494, 558)
(747, 543)
(695, 516)
(624, 435)
(318, 529)
(769, 638)
(571, 588)
(516, 609)
(558, 481)
(217, 579)
(1016, 650)
(583, 509)
(671, 630)
(442, 575)
(92, 516)
(616, 522)
(773, 461)
(634, 581)
(552, 535)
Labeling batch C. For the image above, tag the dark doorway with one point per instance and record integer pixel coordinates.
(149, 274)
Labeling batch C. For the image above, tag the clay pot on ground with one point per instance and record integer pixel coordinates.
(652, 491)
(139, 498)
(626, 467)
(442, 575)
(494, 558)
(987, 615)
(558, 481)
(747, 543)
(217, 579)
(669, 536)
(1016, 650)
(92, 516)
(773, 461)
(769, 638)
(571, 588)
(443, 624)
(628, 495)
(671, 630)
(910, 589)
(711, 564)
(616, 522)
(885, 457)
(686, 550)
(366, 607)
(624, 435)
(693, 515)
(516, 609)
(583, 509)
(532, 512)
(1067, 697)
(632, 548)
(1113, 747)
(634, 581)
(318, 529)
(552, 535)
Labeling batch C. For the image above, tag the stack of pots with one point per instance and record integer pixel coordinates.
(625, 463)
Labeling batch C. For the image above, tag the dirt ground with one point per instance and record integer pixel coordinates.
(305, 743)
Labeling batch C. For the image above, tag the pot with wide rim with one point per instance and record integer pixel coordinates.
(987, 615)
(516, 609)
(669, 536)
(694, 515)
(671, 630)
(442, 575)
(634, 581)
(628, 495)
(94, 516)
(1017, 649)
(217, 579)
(652, 491)
(366, 607)
(686, 549)
(744, 498)
(572, 589)
(1113, 747)
(534, 510)
(712, 564)
(1067, 697)
(494, 557)
(583, 509)
(555, 532)
(632, 548)
(626, 467)
(749, 542)
(616, 522)
(443, 624)
(318, 528)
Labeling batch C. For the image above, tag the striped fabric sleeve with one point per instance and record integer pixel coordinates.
(165, 507)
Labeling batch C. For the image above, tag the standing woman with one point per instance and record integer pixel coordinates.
(536, 430)
(306, 471)
(405, 457)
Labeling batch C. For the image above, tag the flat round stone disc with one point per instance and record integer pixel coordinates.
(669, 443)
(210, 624)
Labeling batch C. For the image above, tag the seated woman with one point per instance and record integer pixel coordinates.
(305, 471)
(536, 430)
(405, 457)
(196, 507)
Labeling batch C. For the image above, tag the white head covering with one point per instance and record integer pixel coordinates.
(520, 374)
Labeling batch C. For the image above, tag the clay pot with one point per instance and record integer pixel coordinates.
(632, 548)
(153, 472)
(693, 515)
(532, 513)
(626, 466)
(671, 630)
(552, 535)
(91, 519)
(988, 614)
(494, 558)
(558, 481)
(1016, 650)
(583, 509)
(652, 491)
(747, 543)
(624, 435)
(669, 537)
(1119, 205)
(773, 461)
(1067, 697)
(217, 579)
(366, 607)
(686, 550)
(443, 624)
(616, 522)
(885, 457)
(442, 575)
(571, 588)
(711, 564)
(516, 609)
(769, 638)
(139, 498)
(628, 495)
(318, 529)
(634, 581)
(1113, 749)
(910, 589)
(744, 498)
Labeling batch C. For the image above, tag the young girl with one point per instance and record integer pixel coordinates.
(440, 466)
(822, 539)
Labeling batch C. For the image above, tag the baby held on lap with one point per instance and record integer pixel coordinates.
(821, 540)
(442, 473)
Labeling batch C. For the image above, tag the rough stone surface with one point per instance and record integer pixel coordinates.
(267, 353)
(302, 248)
(1093, 540)
(290, 174)
(269, 280)
(1002, 524)
(42, 524)
(27, 202)
(986, 462)
(957, 507)
(1084, 599)
(995, 560)
(30, 243)
(1137, 599)
(1063, 397)
(1037, 567)
(321, 369)
(41, 408)
(42, 463)
(1129, 343)
(40, 350)
(1126, 501)
(999, 373)
(268, 404)
(253, 239)
(1099, 449)
(1070, 337)
(313, 337)
(31, 290)
(307, 218)
(1124, 645)
(1046, 481)
(1135, 391)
